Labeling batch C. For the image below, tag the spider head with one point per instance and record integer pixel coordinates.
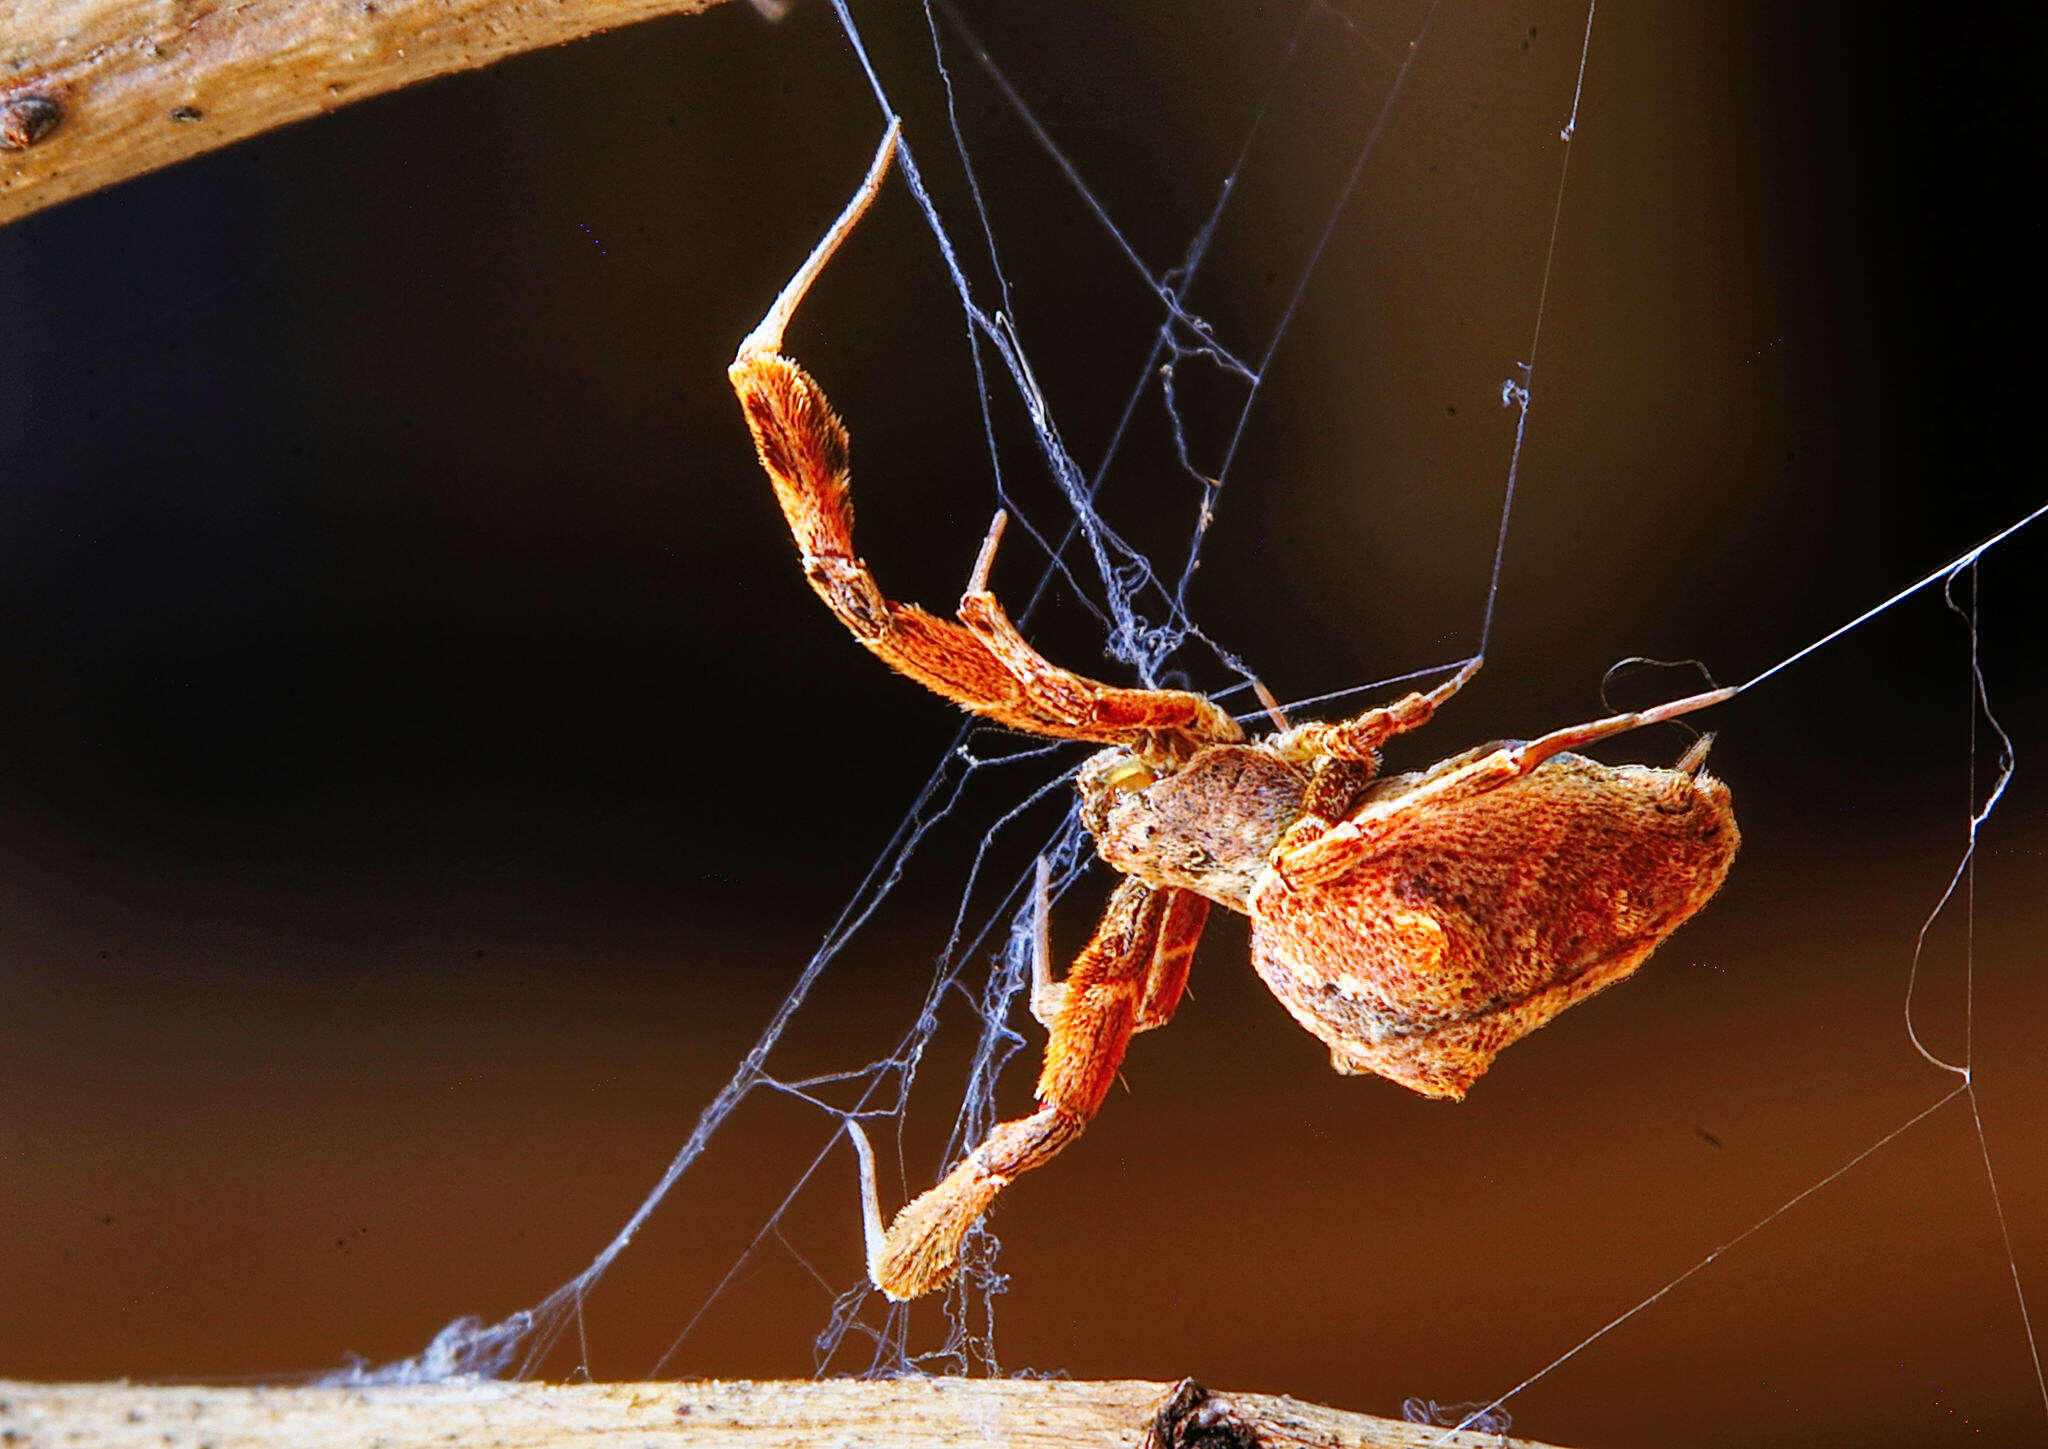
(1206, 825)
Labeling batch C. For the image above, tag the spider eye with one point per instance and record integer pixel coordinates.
(1131, 775)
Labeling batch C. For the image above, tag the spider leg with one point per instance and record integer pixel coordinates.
(982, 663)
(1084, 708)
(1360, 737)
(1695, 759)
(1331, 851)
(1128, 978)
(1269, 702)
(1048, 997)
(767, 333)
(1167, 980)
(1164, 985)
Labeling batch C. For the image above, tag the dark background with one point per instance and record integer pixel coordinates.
(422, 769)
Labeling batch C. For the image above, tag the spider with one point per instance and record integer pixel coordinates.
(1415, 923)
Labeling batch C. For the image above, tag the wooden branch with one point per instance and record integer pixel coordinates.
(95, 91)
(907, 1413)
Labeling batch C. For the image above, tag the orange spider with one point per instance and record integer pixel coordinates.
(1416, 924)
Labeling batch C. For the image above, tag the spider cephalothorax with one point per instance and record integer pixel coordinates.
(1207, 826)
(1416, 923)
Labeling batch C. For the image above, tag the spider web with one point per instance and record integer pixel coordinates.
(1202, 363)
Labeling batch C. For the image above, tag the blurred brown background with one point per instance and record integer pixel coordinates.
(423, 769)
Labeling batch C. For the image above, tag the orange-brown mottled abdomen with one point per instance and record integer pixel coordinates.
(1462, 930)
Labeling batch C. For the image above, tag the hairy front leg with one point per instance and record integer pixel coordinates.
(982, 662)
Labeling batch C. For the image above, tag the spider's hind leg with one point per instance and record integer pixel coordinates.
(1048, 997)
(1128, 978)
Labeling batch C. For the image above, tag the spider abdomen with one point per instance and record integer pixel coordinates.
(1464, 928)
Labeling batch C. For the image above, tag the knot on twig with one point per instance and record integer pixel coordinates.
(1194, 1418)
(25, 120)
